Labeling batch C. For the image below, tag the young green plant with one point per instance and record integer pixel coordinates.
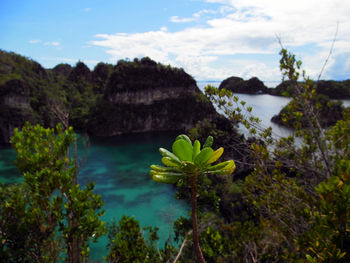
(188, 161)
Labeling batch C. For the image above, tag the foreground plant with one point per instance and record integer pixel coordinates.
(188, 161)
(48, 214)
(300, 186)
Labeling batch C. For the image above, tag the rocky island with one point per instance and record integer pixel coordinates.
(145, 96)
(239, 85)
(331, 88)
(129, 97)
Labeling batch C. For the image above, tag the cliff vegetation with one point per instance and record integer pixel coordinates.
(99, 102)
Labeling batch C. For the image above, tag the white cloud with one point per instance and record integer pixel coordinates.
(87, 9)
(244, 28)
(196, 16)
(176, 19)
(52, 43)
(34, 41)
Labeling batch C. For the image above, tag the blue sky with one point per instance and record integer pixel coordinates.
(210, 39)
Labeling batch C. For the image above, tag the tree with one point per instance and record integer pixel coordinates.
(188, 162)
(299, 188)
(51, 208)
(127, 244)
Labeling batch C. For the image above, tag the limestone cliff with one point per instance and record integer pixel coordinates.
(129, 97)
(143, 96)
(14, 107)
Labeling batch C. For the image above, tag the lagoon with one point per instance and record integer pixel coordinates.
(119, 167)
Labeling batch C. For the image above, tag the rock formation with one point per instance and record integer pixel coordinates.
(238, 85)
(132, 96)
(142, 97)
(14, 107)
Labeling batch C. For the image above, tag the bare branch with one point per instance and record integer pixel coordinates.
(330, 52)
(279, 41)
(182, 247)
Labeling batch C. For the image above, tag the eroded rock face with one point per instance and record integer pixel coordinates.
(14, 108)
(130, 97)
(143, 96)
(149, 96)
(153, 110)
(14, 94)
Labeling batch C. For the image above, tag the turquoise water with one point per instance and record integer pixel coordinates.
(119, 167)
(8, 172)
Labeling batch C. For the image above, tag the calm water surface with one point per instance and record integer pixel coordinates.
(264, 106)
(119, 167)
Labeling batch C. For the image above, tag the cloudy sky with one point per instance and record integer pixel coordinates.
(210, 39)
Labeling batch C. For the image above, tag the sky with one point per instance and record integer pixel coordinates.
(210, 39)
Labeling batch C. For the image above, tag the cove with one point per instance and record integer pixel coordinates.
(119, 168)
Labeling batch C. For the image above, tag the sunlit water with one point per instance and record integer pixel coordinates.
(264, 107)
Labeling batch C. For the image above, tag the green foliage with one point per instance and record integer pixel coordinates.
(298, 191)
(127, 244)
(293, 115)
(186, 163)
(332, 89)
(19, 229)
(47, 214)
(188, 160)
(238, 85)
(146, 73)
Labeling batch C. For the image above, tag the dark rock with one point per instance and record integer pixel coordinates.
(14, 108)
(143, 96)
(328, 113)
(238, 85)
(332, 89)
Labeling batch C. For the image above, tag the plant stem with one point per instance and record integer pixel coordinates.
(197, 248)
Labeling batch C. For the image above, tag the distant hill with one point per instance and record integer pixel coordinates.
(239, 85)
(131, 96)
(332, 89)
(329, 112)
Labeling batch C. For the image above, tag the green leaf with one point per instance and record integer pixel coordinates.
(160, 168)
(218, 166)
(166, 153)
(208, 142)
(183, 149)
(216, 155)
(196, 149)
(169, 162)
(167, 178)
(184, 137)
(229, 168)
(203, 157)
(188, 167)
(224, 168)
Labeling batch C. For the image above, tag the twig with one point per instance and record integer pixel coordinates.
(181, 248)
(330, 52)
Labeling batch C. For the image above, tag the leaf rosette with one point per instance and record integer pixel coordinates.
(187, 159)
